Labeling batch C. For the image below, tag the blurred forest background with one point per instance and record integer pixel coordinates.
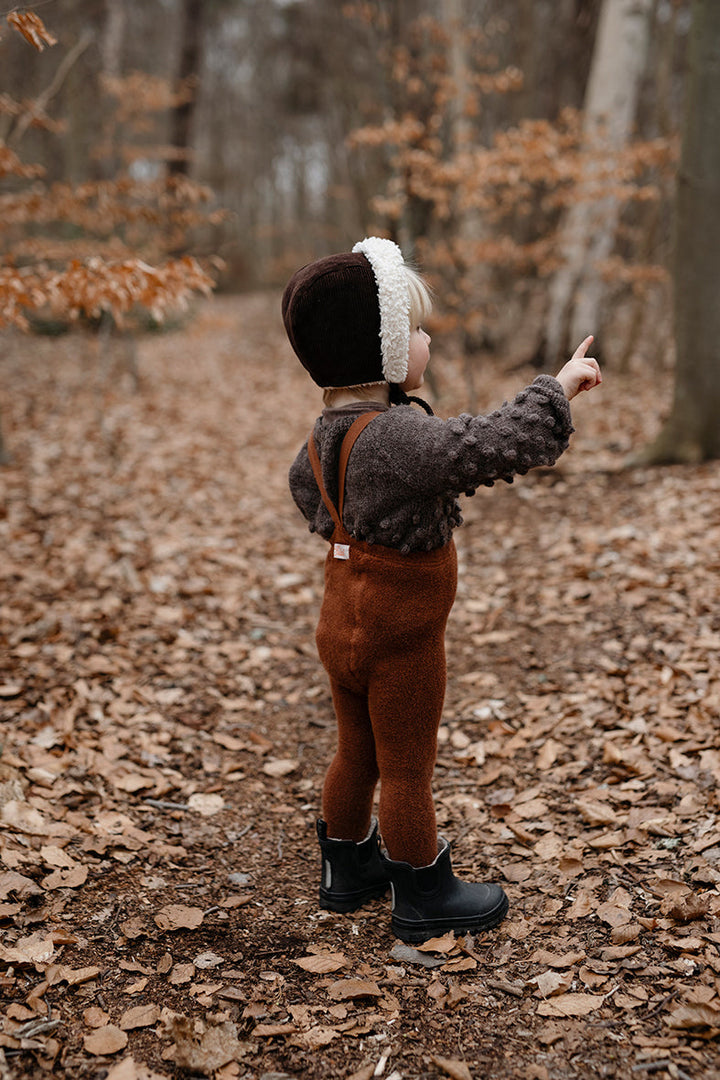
(553, 166)
(524, 152)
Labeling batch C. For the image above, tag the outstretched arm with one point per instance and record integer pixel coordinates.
(432, 457)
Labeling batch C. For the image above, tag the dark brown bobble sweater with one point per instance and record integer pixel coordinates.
(407, 469)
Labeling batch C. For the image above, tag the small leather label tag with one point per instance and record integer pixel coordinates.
(341, 551)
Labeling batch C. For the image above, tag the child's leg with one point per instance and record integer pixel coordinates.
(350, 781)
(406, 700)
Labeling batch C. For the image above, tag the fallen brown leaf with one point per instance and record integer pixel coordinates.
(315, 1037)
(570, 1005)
(57, 973)
(23, 817)
(548, 754)
(57, 857)
(582, 906)
(182, 973)
(625, 932)
(692, 1016)
(516, 872)
(366, 1073)
(452, 1067)
(95, 1017)
(280, 767)
(349, 989)
(206, 805)
(105, 1040)
(687, 908)
(557, 960)
(129, 1069)
(203, 1051)
(66, 879)
(38, 948)
(444, 944)
(268, 1031)
(552, 983)
(179, 917)
(322, 963)
(140, 1016)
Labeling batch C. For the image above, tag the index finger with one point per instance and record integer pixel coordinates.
(582, 348)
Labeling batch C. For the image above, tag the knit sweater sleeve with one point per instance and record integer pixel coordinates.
(303, 487)
(448, 457)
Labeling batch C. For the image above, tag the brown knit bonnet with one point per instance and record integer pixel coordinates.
(348, 316)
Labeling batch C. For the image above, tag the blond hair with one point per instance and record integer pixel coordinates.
(420, 296)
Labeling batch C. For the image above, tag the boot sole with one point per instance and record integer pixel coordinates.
(346, 902)
(415, 932)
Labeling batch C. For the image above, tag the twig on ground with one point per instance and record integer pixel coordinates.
(505, 987)
(661, 1004)
(402, 982)
(162, 804)
(35, 1027)
(665, 1065)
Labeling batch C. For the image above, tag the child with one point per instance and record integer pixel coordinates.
(379, 479)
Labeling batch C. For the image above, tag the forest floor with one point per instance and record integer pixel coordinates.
(166, 726)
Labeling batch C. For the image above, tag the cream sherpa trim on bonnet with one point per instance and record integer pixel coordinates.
(388, 266)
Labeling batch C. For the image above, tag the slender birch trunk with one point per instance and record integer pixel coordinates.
(469, 229)
(112, 43)
(588, 231)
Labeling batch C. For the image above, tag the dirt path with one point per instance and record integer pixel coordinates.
(166, 725)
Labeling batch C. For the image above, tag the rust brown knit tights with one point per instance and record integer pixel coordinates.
(399, 749)
(381, 640)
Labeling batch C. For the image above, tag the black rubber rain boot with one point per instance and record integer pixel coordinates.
(429, 900)
(352, 873)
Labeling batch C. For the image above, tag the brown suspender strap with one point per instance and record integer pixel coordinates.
(317, 470)
(348, 442)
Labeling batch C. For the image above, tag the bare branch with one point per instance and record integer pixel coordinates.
(42, 99)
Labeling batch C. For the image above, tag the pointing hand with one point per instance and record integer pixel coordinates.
(581, 372)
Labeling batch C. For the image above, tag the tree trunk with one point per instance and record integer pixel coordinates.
(5, 458)
(588, 232)
(692, 432)
(112, 39)
(468, 226)
(417, 215)
(112, 42)
(190, 60)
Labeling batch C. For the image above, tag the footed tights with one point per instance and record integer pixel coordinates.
(381, 640)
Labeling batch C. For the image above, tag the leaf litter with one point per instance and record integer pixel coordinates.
(166, 726)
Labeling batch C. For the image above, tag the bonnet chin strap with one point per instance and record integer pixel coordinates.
(399, 397)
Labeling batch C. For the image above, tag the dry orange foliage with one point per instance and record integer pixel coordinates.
(11, 165)
(94, 286)
(32, 28)
(124, 229)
